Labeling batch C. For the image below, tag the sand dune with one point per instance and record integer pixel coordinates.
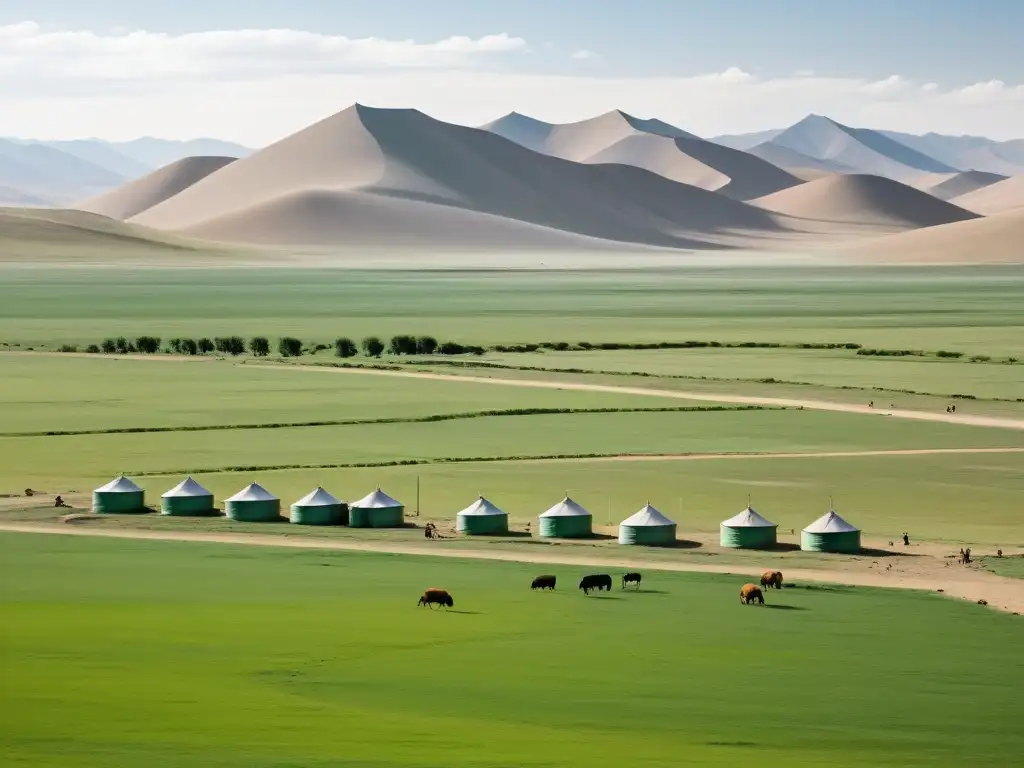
(384, 172)
(1006, 195)
(864, 200)
(797, 163)
(142, 194)
(991, 240)
(962, 183)
(617, 137)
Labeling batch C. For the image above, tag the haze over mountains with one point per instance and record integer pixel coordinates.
(372, 178)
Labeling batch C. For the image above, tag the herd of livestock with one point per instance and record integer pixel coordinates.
(749, 593)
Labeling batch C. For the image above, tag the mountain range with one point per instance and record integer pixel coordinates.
(370, 178)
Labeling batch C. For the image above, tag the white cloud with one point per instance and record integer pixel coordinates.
(259, 85)
(583, 54)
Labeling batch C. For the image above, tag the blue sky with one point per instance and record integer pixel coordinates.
(868, 60)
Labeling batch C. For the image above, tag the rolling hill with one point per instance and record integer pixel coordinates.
(962, 184)
(1006, 195)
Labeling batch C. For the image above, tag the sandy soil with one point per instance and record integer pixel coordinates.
(931, 570)
(817, 405)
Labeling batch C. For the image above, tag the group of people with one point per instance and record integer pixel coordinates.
(965, 555)
(430, 531)
(950, 409)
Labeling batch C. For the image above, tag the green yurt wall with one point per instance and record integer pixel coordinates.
(377, 510)
(253, 504)
(187, 499)
(319, 508)
(481, 518)
(748, 530)
(119, 496)
(647, 527)
(830, 533)
(566, 520)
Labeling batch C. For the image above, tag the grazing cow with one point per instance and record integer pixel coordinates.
(434, 597)
(543, 582)
(771, 579)
(631, 578)
(750, 593)
(596, 581)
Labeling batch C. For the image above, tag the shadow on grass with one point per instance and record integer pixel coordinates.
(777, 607)
(464, 613)
(605, 597)
(644, 591)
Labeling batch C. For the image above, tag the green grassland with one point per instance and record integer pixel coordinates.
(126, 653)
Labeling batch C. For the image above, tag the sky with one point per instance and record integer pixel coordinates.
(254, 71)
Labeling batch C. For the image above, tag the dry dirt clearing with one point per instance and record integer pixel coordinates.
(816, 405)
(930, 572)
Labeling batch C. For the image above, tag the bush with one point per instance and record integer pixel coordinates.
(234, 345)
(320, 348)
(109, 346)
(402, 345)
(205, 346)
(259, 346)
(92, 349)
(123, 346)
(189, 347)
(373, 347)
(289, 346)
(68, 348)
(426, 345)
(344, 347)
(150, 345)
(944, 353)
(980, 359)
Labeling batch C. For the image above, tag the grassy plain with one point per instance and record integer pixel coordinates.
(138, 653)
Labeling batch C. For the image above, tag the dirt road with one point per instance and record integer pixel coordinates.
(929, 574)
(814, 405)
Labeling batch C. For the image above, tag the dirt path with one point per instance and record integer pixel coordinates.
(931, 574)
(816, 405)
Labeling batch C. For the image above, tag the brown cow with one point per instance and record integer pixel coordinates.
(750, 593)
(771, 579)
(434, 597)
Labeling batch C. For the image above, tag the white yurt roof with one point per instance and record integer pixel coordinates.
(318, 498)
(647, 517)
(748, 518)
(566, 508)
(187, 487)
(119, 485)
(830, 523)
(481, 507)
(376, 500)
(253, 492)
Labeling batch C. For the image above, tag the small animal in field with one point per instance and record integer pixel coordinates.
(433, 597)
(631, 578)
(596, 581)
(543, 582)
(751, 592)
(771, 579)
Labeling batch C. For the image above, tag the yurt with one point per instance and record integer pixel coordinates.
(378, 510)
(253, 504)
(119, 496)
(319, 508)
(187, 498)
(566, 520)
(748, 530)
(648, 526)
(481, 518)
(830, 533)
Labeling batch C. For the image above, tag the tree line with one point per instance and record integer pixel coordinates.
(287, 346)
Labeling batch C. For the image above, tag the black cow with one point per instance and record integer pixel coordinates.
(596, 581)
(543, 582)
(631, 578)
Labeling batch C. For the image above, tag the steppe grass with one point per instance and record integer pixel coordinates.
(126, 653)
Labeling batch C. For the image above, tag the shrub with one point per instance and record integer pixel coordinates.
(92, 349)
(236, 345)
(205, 346)
(426, 345)
(289, 346)
(980, 358)
(344, 347)
(402, 345)
(189, 347)
(68, 348)
(320, 348)
(944, 353)
(109, 346)
(148, 344)
(123, 345)
(373, 347)
(452, 348)
(259, 346)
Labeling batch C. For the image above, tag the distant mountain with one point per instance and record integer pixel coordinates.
(970, 153)
(99, 153)
(1003, 196)
(39, 171)
(963, 183)
(620, 138)
(746, 140)
(796, 162)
